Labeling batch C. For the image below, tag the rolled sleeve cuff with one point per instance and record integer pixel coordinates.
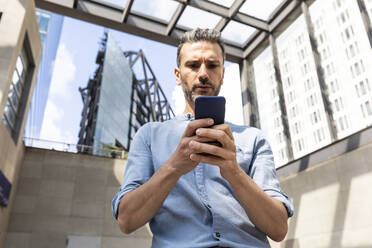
(279, 195)
(116, 200)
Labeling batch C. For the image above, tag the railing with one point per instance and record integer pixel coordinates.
(73, 148)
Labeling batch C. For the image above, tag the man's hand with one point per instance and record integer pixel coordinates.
(266, 213)
(180, 160)
(224, 156)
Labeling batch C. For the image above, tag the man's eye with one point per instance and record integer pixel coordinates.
(193, 66)
(212, 66)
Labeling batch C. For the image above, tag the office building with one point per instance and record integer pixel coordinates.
(50, 27)
(344, 55)
(117, 102)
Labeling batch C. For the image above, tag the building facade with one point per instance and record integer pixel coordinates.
(118, 101)
(50, 27)
(344, 57)
(20, 53)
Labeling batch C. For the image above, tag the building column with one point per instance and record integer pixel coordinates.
(366, 20)
(319, 72)
(249, 95)
(282, 105)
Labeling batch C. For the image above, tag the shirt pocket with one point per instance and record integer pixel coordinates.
(243, 158)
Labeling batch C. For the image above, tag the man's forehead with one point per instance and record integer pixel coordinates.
(193, 49)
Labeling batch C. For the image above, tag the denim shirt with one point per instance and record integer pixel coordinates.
(202, 209)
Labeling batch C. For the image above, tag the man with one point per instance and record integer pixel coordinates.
(193, 193)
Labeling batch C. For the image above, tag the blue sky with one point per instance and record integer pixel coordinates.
(75, 64)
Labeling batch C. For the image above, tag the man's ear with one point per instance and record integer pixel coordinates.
(177, 73)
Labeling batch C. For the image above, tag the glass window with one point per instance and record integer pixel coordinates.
(191, 18)
(162, 9)
(261, 9)
(368, 107)
(362, 108)
(237, 32)
(363, 88)
(12, 107)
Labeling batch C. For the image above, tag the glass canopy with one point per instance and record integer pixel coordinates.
(261, 9)
(244, 24)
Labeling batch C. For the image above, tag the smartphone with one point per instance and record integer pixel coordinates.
(210, 107)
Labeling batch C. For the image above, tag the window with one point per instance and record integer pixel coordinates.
(346, 122)
(343, 19)
(337, 105)
(357, 68)
(332, 87)
(296, 128)
(281, 154)
(362, 88)
(19, 87)
(289, 82)
(368, 107)
(321, 38)
(362, 108)
(341, 124)
(369, 88)
(315, 117)
(351, 51)
(362, 65)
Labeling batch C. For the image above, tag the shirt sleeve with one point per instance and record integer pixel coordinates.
(139, 167)
(263, 172)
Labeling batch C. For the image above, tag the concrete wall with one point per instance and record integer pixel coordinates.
(18, 18)
(64, 196)
(333, 203)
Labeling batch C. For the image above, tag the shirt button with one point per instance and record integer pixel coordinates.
(218, 235)
(209, 206)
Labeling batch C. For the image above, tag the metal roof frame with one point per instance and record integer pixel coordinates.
(129, 21)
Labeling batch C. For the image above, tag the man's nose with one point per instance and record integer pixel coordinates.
(203, 73)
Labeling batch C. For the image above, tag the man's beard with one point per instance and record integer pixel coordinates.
(188, 93)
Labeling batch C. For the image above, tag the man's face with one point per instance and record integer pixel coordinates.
(201, 70)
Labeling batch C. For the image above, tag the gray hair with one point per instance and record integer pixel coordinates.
(199, 34)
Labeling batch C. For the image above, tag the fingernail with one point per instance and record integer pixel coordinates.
(210, 121)
(198, 131)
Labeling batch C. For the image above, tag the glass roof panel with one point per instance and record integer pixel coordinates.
(194, 18)
(119, 3)
(237, 32)
(226, 3)
(162, 9)
(261, 9)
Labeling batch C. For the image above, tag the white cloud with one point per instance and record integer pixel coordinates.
(52, 129)
(63, 73)
(230, 90)
(54, 117)
(179, 100)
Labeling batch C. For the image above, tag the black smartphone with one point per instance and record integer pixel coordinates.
(210, 107)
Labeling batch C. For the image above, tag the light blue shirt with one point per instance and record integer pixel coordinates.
(202, 209)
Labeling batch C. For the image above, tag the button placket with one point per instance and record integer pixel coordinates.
(199, 170)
